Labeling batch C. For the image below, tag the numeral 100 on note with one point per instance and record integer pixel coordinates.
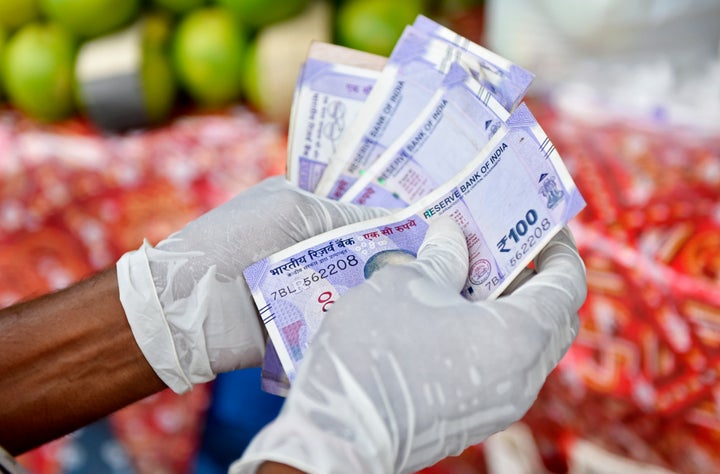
(526, 233)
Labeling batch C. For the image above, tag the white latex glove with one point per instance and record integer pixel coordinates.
(404, 371)
(186, 300)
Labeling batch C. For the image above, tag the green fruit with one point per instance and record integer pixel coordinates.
(3, 37)
(260, 13)
(252, 78)
(91, 18)
(207, 55)
(38, 69)
(156, 30)
(375, 25)
(156, 74)
(158, 86)
(16, 13)
(179, 6)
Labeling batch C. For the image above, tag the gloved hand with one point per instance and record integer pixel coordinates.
(404, 371)
(186, 300)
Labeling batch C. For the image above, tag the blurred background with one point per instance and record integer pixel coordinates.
(124, 120)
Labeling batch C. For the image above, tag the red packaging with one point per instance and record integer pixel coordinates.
(641, 380)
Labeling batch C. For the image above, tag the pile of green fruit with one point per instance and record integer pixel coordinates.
(208, 53)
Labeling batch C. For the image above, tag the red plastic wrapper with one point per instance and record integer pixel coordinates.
(642, 380)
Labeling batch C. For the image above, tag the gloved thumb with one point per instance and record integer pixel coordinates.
(443, 255)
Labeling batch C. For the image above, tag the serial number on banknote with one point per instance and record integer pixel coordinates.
(318, 274)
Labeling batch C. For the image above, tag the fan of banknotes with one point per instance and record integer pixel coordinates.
(438, 128)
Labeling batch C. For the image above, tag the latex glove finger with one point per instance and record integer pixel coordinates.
(565, 239)
(443, 255)
(560, 273)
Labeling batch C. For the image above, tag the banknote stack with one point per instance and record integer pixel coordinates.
(438, 128)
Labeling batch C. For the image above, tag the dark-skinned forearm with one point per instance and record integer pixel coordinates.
(69, 358)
